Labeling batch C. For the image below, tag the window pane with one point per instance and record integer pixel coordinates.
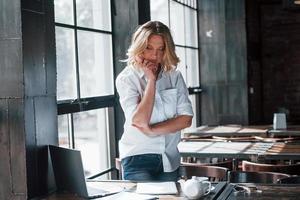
(94, 14)
(64, 11)
(65, 58)
(95, 64)
(193, 101)
(192, 63)
(63, 130)
(177, 22)
(182, 65)
(90, 130)
(159, 11)
(191, 35)
(194, 3)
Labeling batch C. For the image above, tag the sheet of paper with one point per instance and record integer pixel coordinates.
(157, 188)
(129, 196)
(110, 188)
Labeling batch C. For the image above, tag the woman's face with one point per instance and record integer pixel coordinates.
(155, 50)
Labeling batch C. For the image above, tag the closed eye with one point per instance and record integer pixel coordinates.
(149, 48)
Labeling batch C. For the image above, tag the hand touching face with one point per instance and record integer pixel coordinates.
(152, 56)
(150, 68)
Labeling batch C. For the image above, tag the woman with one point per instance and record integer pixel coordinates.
(155, 102)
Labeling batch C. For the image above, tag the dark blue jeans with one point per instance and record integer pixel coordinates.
(146, 167)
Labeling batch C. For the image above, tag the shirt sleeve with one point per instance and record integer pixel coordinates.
(128, 96)
(184, 106)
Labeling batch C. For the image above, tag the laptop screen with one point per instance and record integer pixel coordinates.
(68, 170)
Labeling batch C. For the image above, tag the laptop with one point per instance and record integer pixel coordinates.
(69, 174)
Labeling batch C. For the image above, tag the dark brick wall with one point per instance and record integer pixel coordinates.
(254, 62)
(39, 71)
(12, 134)
(280, 32)
(273, 60)
(28, 115)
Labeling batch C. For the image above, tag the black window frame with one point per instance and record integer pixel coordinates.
(71, 106)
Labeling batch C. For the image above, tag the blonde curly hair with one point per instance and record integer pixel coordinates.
(140, 39)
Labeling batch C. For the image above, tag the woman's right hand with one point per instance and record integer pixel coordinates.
(149, 68)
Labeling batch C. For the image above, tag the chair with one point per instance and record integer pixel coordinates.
(290, 180)
(213, 173)
(255, 177)
(227, 164)
(119, 167)
(187, 170)
(258, 167)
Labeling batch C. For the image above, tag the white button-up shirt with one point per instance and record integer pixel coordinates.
(171, 100)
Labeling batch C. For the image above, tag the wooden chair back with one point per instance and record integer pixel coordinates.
(119, 168)
(255, 177)
(290, 180)
(258, 167)
(227, 164)
(213, 173)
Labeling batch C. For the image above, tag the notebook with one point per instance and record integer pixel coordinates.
(69, 173)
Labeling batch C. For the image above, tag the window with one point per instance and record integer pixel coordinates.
(85, 82)
(181, 17)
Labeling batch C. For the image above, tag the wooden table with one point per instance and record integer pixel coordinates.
(254, 151)
(222, 191)
(283, 151)
(228, 130)
(214, 194)
(291, 131)
(238, 150)
(260, 192)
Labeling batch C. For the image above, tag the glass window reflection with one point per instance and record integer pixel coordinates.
(95, 64)
(64, 130)
(94, 14)
(160, 11)
(64, 11)
(90, 130)
(191, 36)
(177, 22)
(66, 68)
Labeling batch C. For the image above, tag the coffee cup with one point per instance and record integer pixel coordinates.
(196, 187)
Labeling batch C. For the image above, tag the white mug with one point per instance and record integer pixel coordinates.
(279, 121)
(196, 187)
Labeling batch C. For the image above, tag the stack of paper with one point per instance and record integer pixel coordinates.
(157, 188)
(129, 196)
